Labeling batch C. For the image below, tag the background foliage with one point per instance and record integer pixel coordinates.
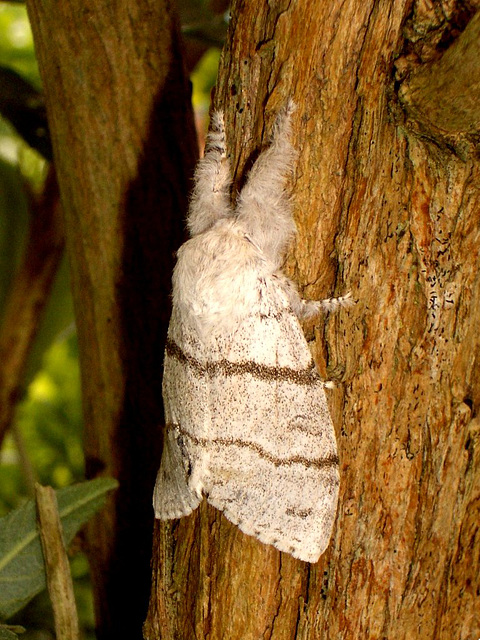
(45, 443)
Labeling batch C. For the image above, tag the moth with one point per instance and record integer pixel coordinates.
(247, 421)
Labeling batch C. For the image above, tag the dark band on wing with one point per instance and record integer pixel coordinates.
(330, 461)
(308, 376)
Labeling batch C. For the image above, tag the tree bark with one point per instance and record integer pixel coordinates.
(387, 207)
(124, 147)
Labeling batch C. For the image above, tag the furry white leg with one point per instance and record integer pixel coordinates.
(311, 308)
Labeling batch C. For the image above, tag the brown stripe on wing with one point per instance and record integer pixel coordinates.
(308, 376)
(330, 461)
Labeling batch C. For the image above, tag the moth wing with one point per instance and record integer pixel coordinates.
(184, 463)
(173, 497)
(273, 461)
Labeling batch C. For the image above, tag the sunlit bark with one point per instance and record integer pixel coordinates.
(388, 210)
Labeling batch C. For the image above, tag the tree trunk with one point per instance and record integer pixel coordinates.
(124, 146)
(386, 198)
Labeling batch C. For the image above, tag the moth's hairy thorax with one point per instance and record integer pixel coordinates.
(215, 282)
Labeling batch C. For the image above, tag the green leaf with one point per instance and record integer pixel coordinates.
(22, 573)
(6, 634)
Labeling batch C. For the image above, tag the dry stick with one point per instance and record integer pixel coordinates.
(28, 296)
(57, 567)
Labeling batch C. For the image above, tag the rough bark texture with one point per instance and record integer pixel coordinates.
(387, 206)
(124, 148)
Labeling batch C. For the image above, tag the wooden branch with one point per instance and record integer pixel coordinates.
(57, 567)
(28, 295)
(444, 96)
(124, 143)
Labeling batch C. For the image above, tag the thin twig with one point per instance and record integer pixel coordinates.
(57, 567)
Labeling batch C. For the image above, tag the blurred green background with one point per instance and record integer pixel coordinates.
(45, 444)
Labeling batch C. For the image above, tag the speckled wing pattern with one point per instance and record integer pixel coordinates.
(248, 425)
(278, 479)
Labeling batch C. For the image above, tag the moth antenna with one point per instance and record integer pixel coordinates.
(210, 199)
(264, 207)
